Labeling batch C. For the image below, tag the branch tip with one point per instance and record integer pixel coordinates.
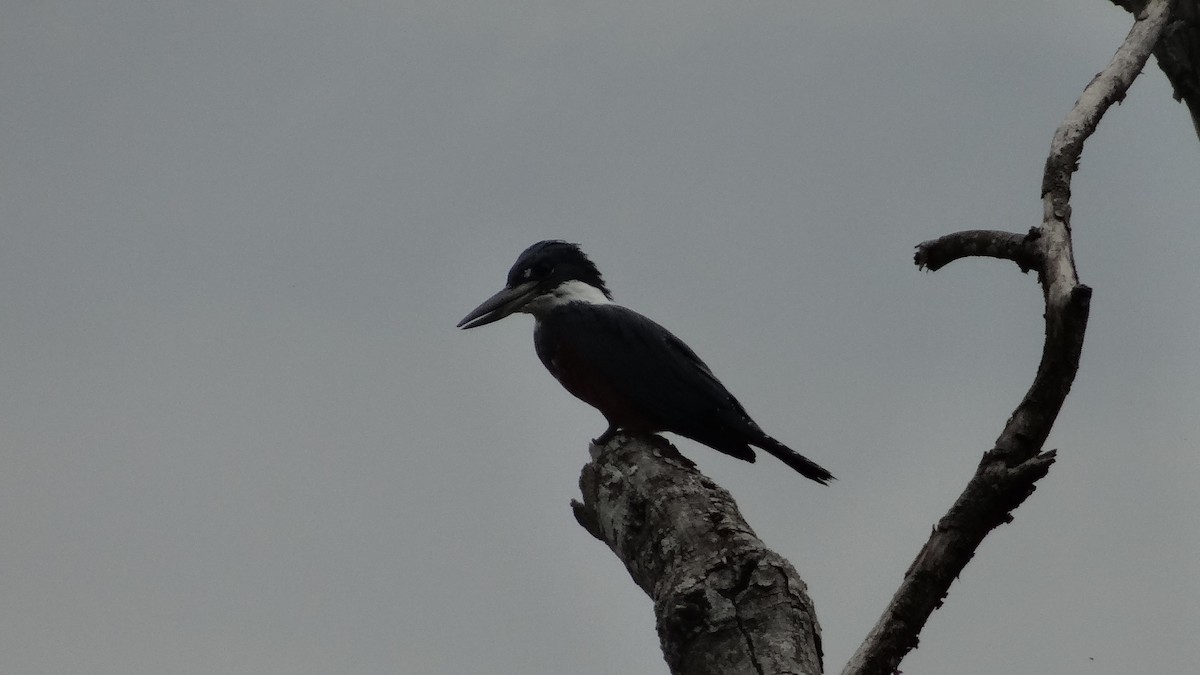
(935, 254)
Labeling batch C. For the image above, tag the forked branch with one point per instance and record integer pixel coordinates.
(1178, 51)
(1007, 473)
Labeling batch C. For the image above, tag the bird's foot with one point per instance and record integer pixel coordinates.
(606, 437)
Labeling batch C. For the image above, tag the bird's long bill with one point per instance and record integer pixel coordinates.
(500, 305)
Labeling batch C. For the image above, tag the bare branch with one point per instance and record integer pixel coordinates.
(1007, 473)
(1019, 248)
(724, 602)
(1107, 88)
(1178, 51)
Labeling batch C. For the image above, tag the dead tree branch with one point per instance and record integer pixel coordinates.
(1178, 51)
(1007, 473)
(724, 602)
(1019, 248)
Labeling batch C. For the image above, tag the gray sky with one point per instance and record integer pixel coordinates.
(240, 433)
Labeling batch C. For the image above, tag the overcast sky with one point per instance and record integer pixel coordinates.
(239, 432)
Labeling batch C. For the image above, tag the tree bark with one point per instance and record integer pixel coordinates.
(1007, 473)
(725, 604)
(1178, 51)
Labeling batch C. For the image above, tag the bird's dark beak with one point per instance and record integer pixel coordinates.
(500, 305)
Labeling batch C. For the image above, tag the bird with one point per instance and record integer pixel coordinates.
(640, 376)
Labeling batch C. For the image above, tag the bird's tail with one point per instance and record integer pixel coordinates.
(805, 466)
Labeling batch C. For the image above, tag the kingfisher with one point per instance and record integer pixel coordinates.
(640, 376)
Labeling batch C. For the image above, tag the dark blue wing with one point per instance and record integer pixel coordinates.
(630, 367)
(643, 378)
